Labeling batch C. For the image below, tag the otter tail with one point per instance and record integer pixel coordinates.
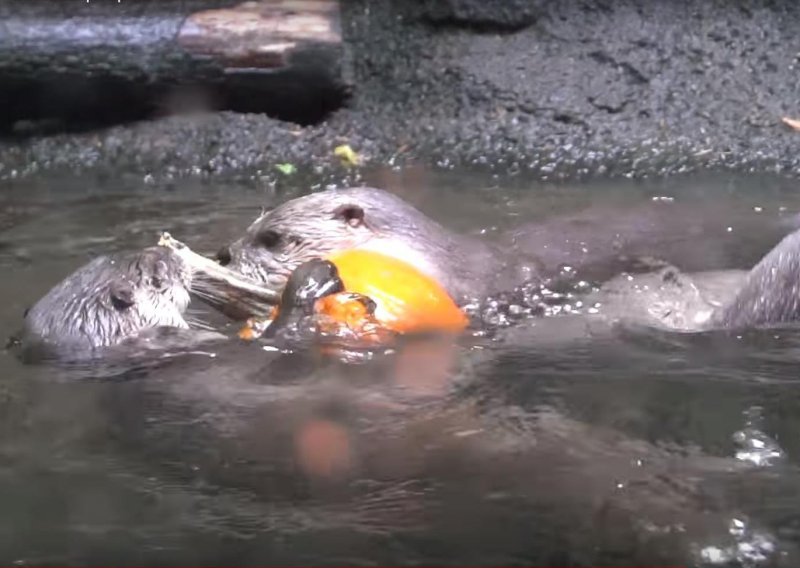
(771, 292)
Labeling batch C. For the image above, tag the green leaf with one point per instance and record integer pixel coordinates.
(287, 169)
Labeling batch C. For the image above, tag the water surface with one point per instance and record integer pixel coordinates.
(621, 449)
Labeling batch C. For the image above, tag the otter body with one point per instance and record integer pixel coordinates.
(596, 244)
(597, 247)
(769, 294)
(110, 300)
(766, 296)
(114, 298)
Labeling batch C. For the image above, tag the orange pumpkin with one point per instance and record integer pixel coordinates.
(407, 300)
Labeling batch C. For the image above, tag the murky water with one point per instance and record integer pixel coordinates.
(624, 448)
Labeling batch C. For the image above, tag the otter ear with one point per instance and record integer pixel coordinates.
(121, 294)
(351, 214)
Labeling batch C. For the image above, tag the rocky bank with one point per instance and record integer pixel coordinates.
(554, 90)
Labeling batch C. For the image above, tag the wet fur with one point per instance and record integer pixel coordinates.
(84, 312)
(598, 243)
(316, 225)
(771, 292)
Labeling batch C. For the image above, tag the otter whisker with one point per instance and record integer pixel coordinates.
(197, 323)
(202, 293)
(212, 296)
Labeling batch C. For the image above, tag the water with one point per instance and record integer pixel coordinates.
(549, 448)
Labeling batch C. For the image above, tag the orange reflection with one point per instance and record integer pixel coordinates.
(323, 448)
(423, 366)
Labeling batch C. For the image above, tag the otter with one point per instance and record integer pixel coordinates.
(596, 246)
(119, 299)
(108, 301)
(323, 223)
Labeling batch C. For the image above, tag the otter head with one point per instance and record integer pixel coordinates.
(110, 299)
(320, 224)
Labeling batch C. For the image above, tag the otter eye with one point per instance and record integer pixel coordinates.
(353, 215)
(224, 256)
(268, 238)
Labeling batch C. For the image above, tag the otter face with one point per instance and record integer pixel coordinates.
(320, 224)
(112, 298)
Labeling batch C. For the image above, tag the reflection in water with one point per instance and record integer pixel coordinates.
(755, 446)
(752, 548)
(323, 448)
(541, 445)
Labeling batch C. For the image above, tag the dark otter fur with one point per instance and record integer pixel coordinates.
(109, 300)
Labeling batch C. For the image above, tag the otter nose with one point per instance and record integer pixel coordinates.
(224, 256)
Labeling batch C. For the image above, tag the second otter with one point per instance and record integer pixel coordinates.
(109, 300)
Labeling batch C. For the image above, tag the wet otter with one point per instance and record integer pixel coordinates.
(109, 300)
(667, 298)
(114, 300)
(320, 224)
(596, 245)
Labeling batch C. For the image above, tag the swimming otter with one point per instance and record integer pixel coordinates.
(674, 300)
(323, 223)
(109, 300)
(596, 245)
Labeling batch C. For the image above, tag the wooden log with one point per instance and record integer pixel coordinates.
(84, 63)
